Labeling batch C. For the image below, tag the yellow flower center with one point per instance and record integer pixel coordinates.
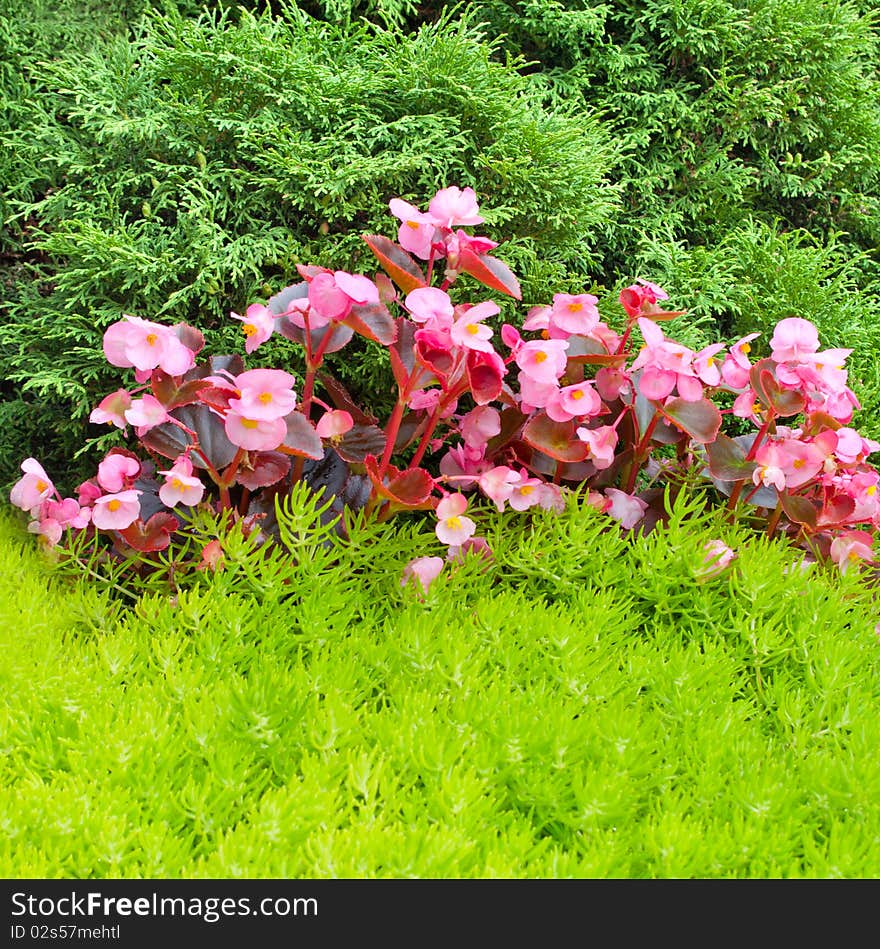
(710, 361)
(473, 329)
(853, 556)
(798, 463)
(152, 339)
(114, 505)
(413, 224)
(526, 489)
(745, 349)
(265, 397)
(248, 423)
(756, 408)
(453, 523)
(872, 490)
(176, 483)
(575, 307)
(545, 334)
(540, 356)
(577, 394)
(41, 486)
(250, 329)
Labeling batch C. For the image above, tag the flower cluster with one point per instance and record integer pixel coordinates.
(518, 416)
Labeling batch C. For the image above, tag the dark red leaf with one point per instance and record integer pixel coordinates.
(798, 509)
(396, 262)
(727, 460)
(262, 469)
(172, 395)
(490, 271)
(373, 322)
(170, 441)
(360, 441)
(556, 439)
(700, 420)
(191, 337)
(341, 398)
(410, 488)
(301, 438)
(154, 535)
(582, 349)
(836, 510)
(785, 402)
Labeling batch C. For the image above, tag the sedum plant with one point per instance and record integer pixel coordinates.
(629, 417)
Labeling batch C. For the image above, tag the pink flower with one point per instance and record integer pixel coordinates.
(422, 570)
(453, 527)
(116, 511)
(717, 558)
(465, 464)
(851, 547)
(574, 401)
(601, 442)
(259, 324)
(117, 471)
(625, 508)
(88, 492)
(705, 366)
(430, 306)
(641, 297)
(535, 395)
(181, 486)
(111, 409)
(852, 448)
(424, 399)
(458, 242)
(612, 383)
(470, 332)
(543, 360)
(794, 340)
(526, 492)
(736, 366)
(146, 413)
(771, 462)
(30, 491)
(67, 513)
(265, 394)
(453, 207)
(479, 425)
(497, 484)
(213, 557)
(576, 313)
(332, 295)
(664, 366)
(416, 232)
(478, 546)
(254, 434)
(143, 345)
(334, 424)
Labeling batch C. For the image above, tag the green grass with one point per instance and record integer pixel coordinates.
(584, 708)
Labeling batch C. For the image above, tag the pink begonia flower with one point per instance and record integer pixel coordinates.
(535, 395)
(601, 441)
(465, 464)
(117, 471)
(181, 486)
(422, 570)
(794, 340)
(88, 492)
(36, 486)
(478, 546)
(497, 484)
(665, 365)
(265, 394)
(537, 319)
(574, 401)
(455, 244)
(213, 557)
(254, 434)
(430, 306)
(625, 508)
(850, 547)
(852, 448)
(574, 313)
(705, 365)
(259, 325)
(424, 399)
(612, 383)
(144, 345)
(332, 295)
(111, 409)
(736, 365)
(48, 529)
(511, 338)
(479, 425)
(470, 332)
(453, 207)
(416, 231)
(146, 413)
(771, 464)
(67, 512)
(717, 558)
(801, 461)
(116, 511)
(526, 492)
(334, 424)
(641, 297)
(747, 405)
(543, 360)
(453, 527)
